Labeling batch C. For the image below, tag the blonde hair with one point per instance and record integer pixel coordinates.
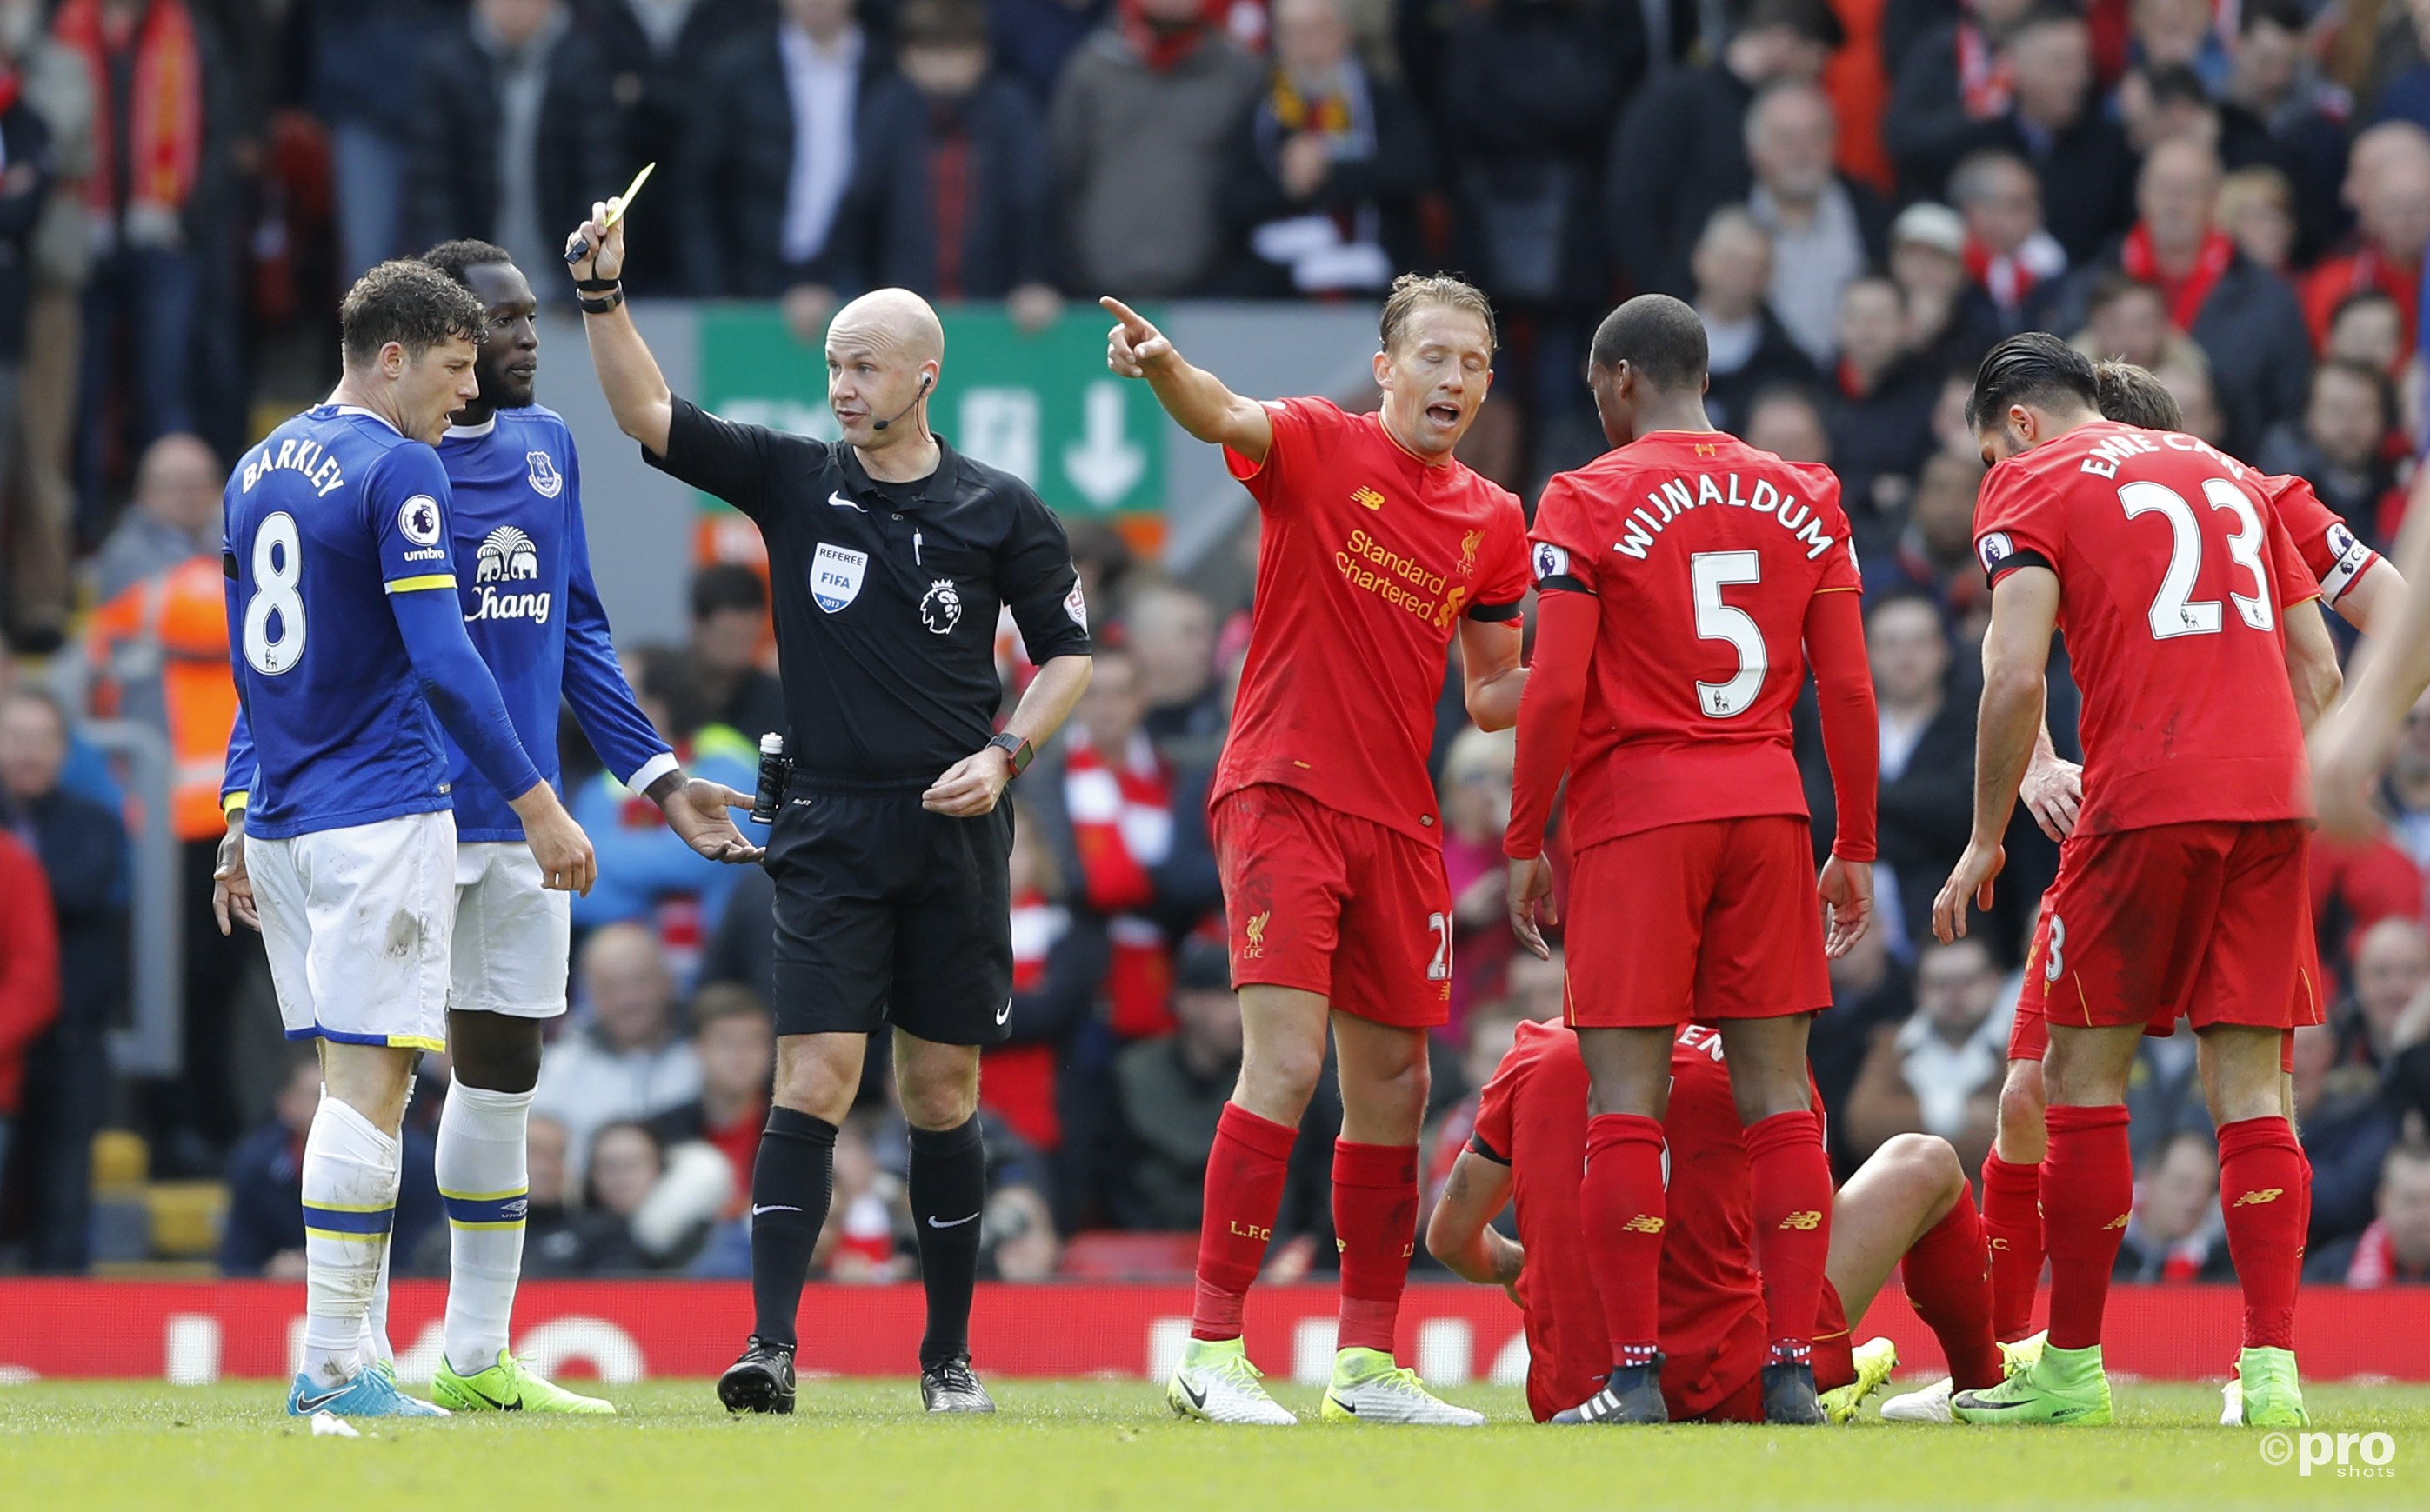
(1413, 291)
(1481, 750)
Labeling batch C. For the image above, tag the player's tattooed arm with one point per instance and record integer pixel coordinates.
(1195, 398)
(1460, 1231)
(2016, 658)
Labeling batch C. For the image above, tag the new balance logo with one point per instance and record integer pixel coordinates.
(1642, 1224)
(1804, 1222)
(1369, 497)
(2119, 1221)
(2259, 1196)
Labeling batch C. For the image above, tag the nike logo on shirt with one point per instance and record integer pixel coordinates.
(1006, 1012)
(842, 502)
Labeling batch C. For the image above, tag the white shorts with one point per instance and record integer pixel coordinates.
(357, 923)
(513, 934)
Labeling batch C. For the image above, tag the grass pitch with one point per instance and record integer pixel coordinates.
(1080, 1446)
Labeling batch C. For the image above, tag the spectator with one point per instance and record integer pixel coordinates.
(1935, 554)
(657, 54)
(25, 195)
(734, 1038)
(729, 618)
(2010, 254)
(1927, 762)
(662, 1202)
(2340, 445)
(362, 87)
(2406, 793)
(2391, 966)
(857, 1243)
(2054, 122)
(1825, 229)
(1539, 989)
(630, 1059)
(1949, 84)
(1172, 632)
(1168, 1092)
(515, 135)
(2349, 1124)
(560, 1238)
(1786, 420)
(948, 194)
(2186, 373)
(772, 152)
(263, 1232)
(2276, 82)
(2127, 318)
(37, 587)
(648, 873)
(1475, 811)
(1940, 1072)
(1951, 321)
(1325, 175)
(174, 517)
(1138, 136)
(2168, 102)
(1034, 39)
(1881, 413)
(150, 232)
(1749, 348)
(1017, 1237)
(2177, 1232)
(29, 978)
(2387, 183)
(2368, 329)
(1047, 1081)
(2244, 317)
(1539, 83)
(2257, 210)
(1681, 150)
(2395, 1248)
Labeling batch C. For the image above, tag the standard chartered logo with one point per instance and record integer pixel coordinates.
(2346, 1456)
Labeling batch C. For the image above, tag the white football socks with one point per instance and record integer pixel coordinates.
(350, 1180)
(483, 1181)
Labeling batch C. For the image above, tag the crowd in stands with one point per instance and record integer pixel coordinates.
(1858, 196)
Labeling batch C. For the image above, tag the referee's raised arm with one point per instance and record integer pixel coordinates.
(637, 391)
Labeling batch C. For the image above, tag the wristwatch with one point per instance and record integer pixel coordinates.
(1015, 747)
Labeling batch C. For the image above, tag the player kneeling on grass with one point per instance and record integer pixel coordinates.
(1908, 1207)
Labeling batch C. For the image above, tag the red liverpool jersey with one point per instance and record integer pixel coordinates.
(1705, 554)
(2175, 576)
(1369, 560)
(1533, 1114)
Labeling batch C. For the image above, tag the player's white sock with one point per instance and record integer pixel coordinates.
(483, 1181)
(350, 1179)
(375, 1348)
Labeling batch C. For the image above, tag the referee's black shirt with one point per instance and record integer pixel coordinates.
(886, 594)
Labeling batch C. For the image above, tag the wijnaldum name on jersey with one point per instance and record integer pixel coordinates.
(1678, 495)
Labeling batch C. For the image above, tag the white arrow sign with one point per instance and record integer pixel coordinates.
(1104, 463)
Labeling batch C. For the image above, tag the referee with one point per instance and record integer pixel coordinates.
(890, 557)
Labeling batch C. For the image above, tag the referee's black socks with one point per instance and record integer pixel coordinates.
(791, 1183)
(948, 1192)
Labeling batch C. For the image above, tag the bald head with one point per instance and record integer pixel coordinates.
(179, 482)
(885, 353)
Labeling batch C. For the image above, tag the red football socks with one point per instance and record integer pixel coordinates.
(2088, 1193)
(2012, 1221)
(1375, 1223)
(2261, 1189)
(1622, 1211)
(1244, 1190)
(1948, 1279)
(2307, 1203)
(1791, 1177)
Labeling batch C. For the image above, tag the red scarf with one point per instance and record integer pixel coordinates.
(1163, 47)
(165, 115)
(1018, 1086)
(2184, 296)
(1983, 78)
(2375, 1258)
(2007, 279)
(1114, 812)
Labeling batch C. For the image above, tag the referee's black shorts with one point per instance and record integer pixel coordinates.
(888, 914)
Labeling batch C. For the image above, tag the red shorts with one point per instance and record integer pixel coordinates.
(1745, 1403)
(2210, 921)
(1711, 920)
(2029, 1032)
(1331, 904)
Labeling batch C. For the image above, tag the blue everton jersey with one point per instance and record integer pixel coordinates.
(322, 522)
(523, 572)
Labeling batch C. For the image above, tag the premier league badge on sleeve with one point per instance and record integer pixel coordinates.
(1994, 549)
(1551, 560)
(418, 519)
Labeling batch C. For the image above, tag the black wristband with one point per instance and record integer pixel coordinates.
(603, 303)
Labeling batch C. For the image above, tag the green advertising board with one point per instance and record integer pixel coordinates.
(1040, 406)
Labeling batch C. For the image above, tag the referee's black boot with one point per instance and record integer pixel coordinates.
(1633, 1394)
(1789, 1395)
(948, 1386)
(760, 1381)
